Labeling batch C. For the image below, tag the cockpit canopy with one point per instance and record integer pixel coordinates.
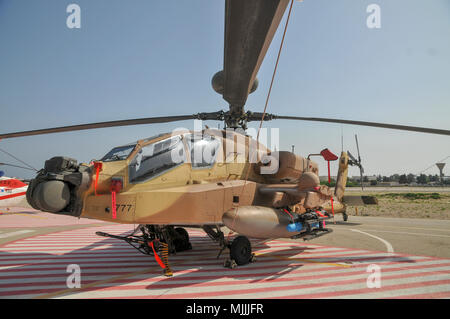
(119, 153)
(154, 159)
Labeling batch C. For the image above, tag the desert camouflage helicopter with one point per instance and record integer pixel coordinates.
(163, 185)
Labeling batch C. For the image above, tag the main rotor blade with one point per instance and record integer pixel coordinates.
(249, 28)
(362, 123)
(361, 172)
(70, 128)
(351, 156)
(357, 147)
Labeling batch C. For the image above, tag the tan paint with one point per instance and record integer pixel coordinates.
(341, 180)
(186, 195)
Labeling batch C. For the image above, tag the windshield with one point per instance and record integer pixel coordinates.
(118, 153)
(154, 159)
(203, 150)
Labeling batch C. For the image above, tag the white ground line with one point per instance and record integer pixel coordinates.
(407, 233)
(389, 247)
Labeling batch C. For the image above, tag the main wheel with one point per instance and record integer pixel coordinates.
(182, 243)
(241, 250)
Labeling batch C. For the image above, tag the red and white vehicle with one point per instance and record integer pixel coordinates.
(13, 193)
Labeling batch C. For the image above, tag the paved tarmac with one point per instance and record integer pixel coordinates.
(410, 257)
(426, 237)
(399, 189)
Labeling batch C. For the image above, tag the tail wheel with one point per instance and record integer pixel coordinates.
(241, 250)
(182, 243)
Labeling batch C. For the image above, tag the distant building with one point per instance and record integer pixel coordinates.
(325, 178)
(388, 184)
(369, 178)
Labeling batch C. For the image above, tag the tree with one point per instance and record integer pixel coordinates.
(402, 179)
(331, 184)
(422, 179)
(433, 178)
(351, 183)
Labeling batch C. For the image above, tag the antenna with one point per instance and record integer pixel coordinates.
(12, 165)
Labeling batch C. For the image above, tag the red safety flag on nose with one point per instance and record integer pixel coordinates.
(98, 167)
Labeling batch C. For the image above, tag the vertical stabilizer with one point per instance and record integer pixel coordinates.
(341, 180)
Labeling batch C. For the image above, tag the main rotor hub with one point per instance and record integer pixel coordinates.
(235, 120)
(236, 117)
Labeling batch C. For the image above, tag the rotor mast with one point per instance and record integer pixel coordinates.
(249, 29)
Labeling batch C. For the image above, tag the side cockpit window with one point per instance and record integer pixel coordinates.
(154, 159)
(118, 153)
(203, 150)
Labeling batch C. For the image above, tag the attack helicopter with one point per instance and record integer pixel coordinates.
(164, 185)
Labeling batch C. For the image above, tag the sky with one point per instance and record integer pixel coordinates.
(155, 58)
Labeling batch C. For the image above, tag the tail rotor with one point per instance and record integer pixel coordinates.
(357, 162)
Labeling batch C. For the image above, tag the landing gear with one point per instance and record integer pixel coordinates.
(240, 248)
(345, 216)
(230, 263)
(240, 253)
(181, 240)
(157, 240)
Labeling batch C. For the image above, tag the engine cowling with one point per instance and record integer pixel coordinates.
(285, 167)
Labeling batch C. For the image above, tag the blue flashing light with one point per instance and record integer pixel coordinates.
(294, 227)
